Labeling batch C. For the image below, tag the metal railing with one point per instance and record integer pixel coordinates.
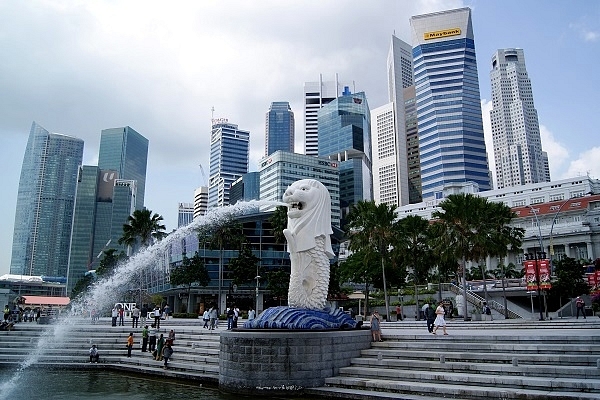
(478, 301)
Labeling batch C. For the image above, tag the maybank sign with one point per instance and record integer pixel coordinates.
(441, 34)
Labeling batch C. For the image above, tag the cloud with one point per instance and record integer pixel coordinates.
(584, 32)
(585, 164)
(558, 154)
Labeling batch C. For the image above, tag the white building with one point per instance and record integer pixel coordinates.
(200, 201)
(185, 214)
(515, 128)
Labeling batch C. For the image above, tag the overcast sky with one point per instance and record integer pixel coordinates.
(77, 67)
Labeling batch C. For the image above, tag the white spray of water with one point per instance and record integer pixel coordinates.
(105, 291)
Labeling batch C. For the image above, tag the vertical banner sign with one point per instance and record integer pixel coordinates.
(530, 277)
(544, 268)
(592, 280)
(598, 279)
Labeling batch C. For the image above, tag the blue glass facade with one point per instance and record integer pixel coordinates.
(450, 125)
(229, 154)
(345, 136)
(125, 151)
(45, 203)
(280, 128)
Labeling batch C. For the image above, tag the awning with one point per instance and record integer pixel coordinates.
(46, 301)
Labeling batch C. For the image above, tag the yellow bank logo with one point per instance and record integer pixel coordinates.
(441, 34)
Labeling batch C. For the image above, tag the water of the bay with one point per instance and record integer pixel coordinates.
(42, 384)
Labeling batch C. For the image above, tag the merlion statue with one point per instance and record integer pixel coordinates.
(309, 243)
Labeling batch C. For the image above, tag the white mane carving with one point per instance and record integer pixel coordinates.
(309, 243)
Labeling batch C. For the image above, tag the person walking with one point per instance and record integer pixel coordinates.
(156, 315)
(167, 354)
(214, 315)
(206, 318)
(129, 344)
(376, 327)
(439, 319)
(152, 338)
(430, 316)
(135, 317)
(580, 305)
(145, 335)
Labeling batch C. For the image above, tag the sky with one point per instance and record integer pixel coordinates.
(77, 67)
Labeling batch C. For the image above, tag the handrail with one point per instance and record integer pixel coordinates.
(478, 301)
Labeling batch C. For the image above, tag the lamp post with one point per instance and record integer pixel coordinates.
(536, 259)
(551, 229)
(257, 286)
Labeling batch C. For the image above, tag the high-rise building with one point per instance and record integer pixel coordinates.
(345, 137)
(200, 201)
(280, 169)
(515, 127)
(185, 214)
(229, 154)
(45, 203)
(390, 155)
(316, 95)
(126, 151)
(245, 188)
(451, 139)
(412, 145)
(280, 128)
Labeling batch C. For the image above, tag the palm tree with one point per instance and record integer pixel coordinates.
(142, 228)
(372, 226)
(413, 248)
(361, 266)
(463, 218)
(279, 222)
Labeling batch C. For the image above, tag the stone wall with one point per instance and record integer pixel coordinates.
(285, 362)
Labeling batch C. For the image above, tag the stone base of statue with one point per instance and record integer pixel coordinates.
(284, 362)
(285, 317)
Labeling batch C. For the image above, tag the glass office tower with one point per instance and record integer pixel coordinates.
(125, 151)
(45, 203)
(450, 126)
(280, 128)
(229, 154)
(345, 136)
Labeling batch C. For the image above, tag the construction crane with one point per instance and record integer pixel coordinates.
(203, 175)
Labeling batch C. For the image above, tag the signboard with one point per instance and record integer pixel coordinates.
(531, 270)
(441, 34)
(544, 269)
(530, 276)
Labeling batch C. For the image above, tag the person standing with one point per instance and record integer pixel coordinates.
(129, 344)
(171, 336)
(399, 313)
(159, 348)
(439, 319)
(376, 326)
(94, 355)
(156, 315)
(236, 315)
(135, 317)
(144, 314)
(152, 338)
(145, 335)
(580, 305)
(229, 314)
(166, 312)
(6, 313)
(121, 315)
(206, 318)
(166, 354)
(430, 315)
(251, 314)
(214, 315)
(114, 315)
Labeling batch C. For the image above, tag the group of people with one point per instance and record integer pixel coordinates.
(138, 316)
(435, 320)
(17, 314)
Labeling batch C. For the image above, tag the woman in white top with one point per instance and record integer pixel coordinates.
(439, 319)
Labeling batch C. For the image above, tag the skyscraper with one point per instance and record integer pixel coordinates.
(126, 151)
(345, 137)
(316, 95)
(412, 146)
(280, 128)
(515, 128)
(185, 214)
(229, 154)
(200, 201)
(451, 140)
(390, 156)
(45, 203)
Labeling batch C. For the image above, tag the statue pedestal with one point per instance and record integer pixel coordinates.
(276, 362)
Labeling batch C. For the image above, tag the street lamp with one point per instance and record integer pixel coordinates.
(551, 228)
(536, 259)
(257, 286)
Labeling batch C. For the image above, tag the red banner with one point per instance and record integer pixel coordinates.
(544, 268)
(530, 275)
(592, 282)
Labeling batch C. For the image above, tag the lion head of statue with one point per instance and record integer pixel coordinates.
(309, 213)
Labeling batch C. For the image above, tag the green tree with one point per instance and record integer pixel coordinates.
(142, 228)
(245, 267)
(570, 279)
(279, 222)
(361, 266)
(226, 233)
(372, 226)
(109, 261)
(278, 284)
(82, 286)
(192, 270)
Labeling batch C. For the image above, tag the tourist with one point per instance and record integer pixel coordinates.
(93, 315)
(135, 317)
(145, 335)
(156, 315)
(236, 315)
(251, 314)
(166, 312)
(376, 327)
(144, 314)
(6, 313)
(580, 305)
(229, 314)
(166, 354)
(214, 317)
(129, 344)
(398, 313)
(114, 314)
(121, 315)
(152, 338)
(38, 314)
(206, 318)
(94, 355)
(159, 348)
(430, 316)
(171, 336)
(439, 319)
